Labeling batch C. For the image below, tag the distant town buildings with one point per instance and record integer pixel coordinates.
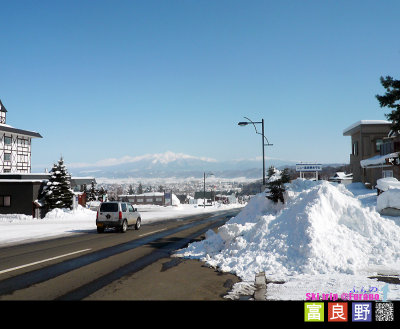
(150, 198)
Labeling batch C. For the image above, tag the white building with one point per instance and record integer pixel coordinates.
(15, 146)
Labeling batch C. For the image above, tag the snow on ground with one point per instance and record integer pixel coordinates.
(17, 228)
(326, 238)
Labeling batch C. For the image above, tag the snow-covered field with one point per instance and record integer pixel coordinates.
(326, 238)
(17, 228)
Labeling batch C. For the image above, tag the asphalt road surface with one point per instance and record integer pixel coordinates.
(135, 265)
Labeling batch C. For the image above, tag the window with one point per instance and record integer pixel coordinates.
(139, 200)
(355, 148)
(123, 207)
(130, 208)
(22, 158)
(158, 199)
(109, 207)
(149, 199)
(396, 146)
(387, 173)
(7, 140)
(387, 147)
(5, 201)
(7, 156)
(378, 144)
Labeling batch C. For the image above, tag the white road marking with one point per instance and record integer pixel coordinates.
(152, 232)
(42, 261)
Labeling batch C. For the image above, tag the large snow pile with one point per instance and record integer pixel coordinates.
(322, 228)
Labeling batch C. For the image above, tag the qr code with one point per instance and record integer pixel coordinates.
(384, 312)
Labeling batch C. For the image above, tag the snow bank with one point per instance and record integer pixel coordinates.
(387, 183)
(78, 214)
(388, 199)
(322, 228)
(16, 227)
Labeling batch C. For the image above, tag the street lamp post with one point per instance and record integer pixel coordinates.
(262, 139)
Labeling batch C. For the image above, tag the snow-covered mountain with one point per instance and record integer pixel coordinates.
(170, 164)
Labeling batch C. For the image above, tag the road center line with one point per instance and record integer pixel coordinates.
(42, 261)
(152, 232)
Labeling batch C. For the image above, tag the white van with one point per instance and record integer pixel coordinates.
(118, 215)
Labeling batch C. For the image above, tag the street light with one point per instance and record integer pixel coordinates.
(204, 192)
(245, 123)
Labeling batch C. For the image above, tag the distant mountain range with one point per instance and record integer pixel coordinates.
(179, 165)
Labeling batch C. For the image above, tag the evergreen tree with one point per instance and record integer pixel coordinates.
(91, 193)
(271, 171)
(391, 99)
(275, 185)
(58, 193)
(285, 176)
(131, 192)
(102, 193)
(140, 189)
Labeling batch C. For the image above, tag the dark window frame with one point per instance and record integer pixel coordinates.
(355, 148)
(109, 207)
(123, 207)
(378, 144)
(2, 198)
(7, 138)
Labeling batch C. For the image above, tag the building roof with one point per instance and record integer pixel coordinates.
(143, 194)
(41, 177)
(2, 108)
(355, 126)
(340, 175)
(20, 181)
(8, 128)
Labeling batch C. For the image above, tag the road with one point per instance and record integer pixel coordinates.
(135, 265)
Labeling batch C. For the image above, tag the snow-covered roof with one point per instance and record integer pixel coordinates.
(365, 122)
(377, 160)
(21, 181)
(341, 175)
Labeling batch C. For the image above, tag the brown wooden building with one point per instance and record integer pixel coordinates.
(374, 151)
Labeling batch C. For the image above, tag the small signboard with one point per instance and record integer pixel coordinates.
(307, 167)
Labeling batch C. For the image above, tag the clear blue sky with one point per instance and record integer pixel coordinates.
(101, 79)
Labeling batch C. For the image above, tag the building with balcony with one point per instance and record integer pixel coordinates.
(372, 146)
(15, 146)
